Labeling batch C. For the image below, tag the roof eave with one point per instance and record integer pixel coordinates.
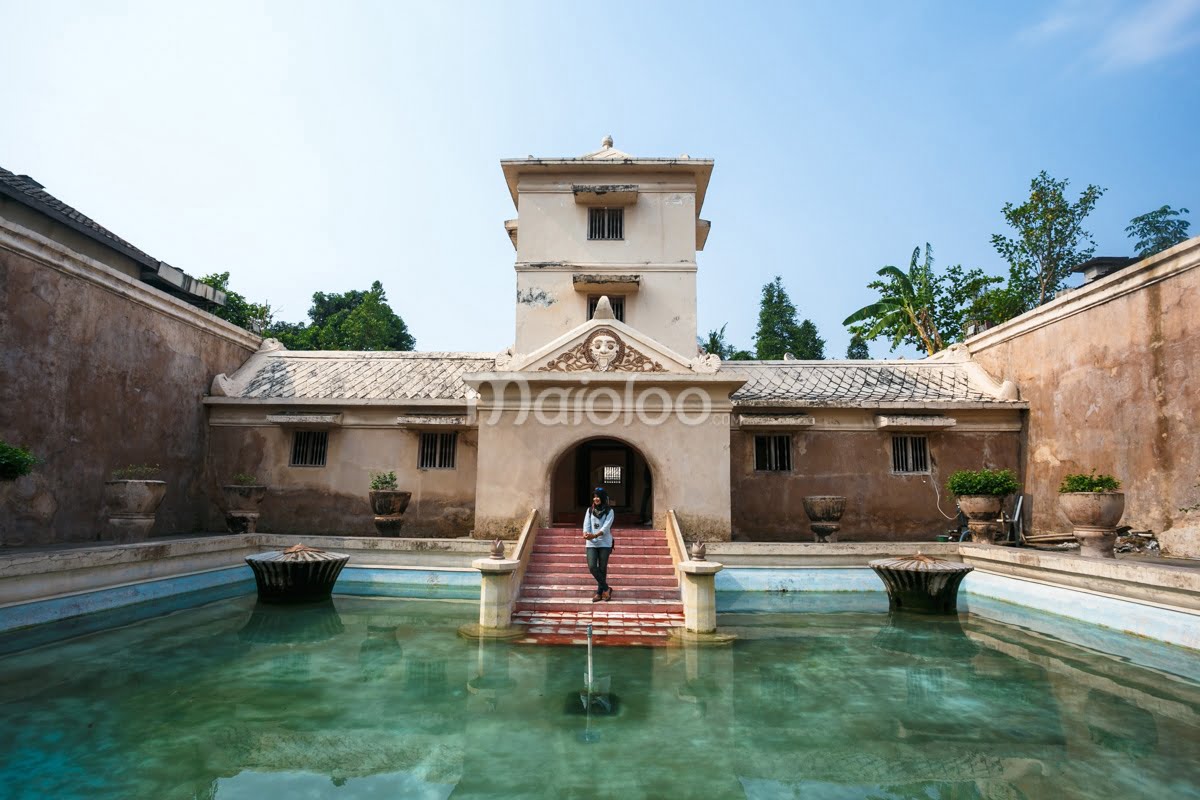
(700, 167)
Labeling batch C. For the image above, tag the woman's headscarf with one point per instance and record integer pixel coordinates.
(603, 509)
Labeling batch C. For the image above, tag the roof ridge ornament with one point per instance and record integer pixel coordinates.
(607, 141)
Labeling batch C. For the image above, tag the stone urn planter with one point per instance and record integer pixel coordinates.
(980, 495)
(824, 514)
(1094, 517)
(132, 505)
(241, 506)
(1094, 507)
(389, 506)
(983, 516)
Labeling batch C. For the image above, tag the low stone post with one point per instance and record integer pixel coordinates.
(699, 595)
(495, 592)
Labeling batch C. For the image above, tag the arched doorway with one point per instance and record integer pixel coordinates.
(617, 466)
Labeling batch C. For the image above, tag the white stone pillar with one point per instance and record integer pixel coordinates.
(699, 595)
(495, 591)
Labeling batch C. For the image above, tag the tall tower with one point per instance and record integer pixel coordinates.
(607, 224)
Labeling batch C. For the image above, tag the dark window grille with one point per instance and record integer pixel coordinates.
(309, 448)
(618, 306)
(910, 454)
(612, 474)
(773, 453)
(438, 450)
(606, 223)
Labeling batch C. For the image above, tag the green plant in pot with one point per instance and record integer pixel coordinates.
(15, 461)
(242, 495)
(980, 495)
(1094, 506)
(388, 503)
(132, 496)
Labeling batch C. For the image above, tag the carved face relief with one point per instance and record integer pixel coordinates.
(604, 350)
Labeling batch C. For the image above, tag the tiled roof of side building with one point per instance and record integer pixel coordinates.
(840, 383)
(383, 376)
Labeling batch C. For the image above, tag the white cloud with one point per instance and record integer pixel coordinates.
(1122, 37)
(1153, 31)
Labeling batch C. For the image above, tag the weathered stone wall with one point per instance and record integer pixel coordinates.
(880, 505)
(100, 371)
(333, 499)
(688, 461)
(1112, 375)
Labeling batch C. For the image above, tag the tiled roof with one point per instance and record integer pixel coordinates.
(30, 192)
(842, 383)
(400, 376)
(364, 376)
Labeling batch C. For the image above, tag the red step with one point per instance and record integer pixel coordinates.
(584, 578)
(555, 601)
(611, 628)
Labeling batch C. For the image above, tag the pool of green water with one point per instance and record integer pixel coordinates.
(379, 698)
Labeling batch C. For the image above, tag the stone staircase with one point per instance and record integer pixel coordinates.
(555, 604)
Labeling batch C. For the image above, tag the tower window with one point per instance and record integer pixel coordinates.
(910, 454)
(606, 223)
(617, 301)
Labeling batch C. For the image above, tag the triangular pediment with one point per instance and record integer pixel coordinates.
(608, 346)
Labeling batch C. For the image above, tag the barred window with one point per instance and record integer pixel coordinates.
(612, 473)
(606, 223)
(309, 448)
(617, 301)
(910, 454)
(438, 450)
(773, 453)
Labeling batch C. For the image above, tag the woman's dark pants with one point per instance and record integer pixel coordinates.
(598, 565)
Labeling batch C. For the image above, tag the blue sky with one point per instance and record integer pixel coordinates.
(318, 147)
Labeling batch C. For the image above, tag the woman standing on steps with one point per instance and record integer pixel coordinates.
(597, 529)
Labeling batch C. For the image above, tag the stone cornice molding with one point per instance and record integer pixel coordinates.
(604, 268)
(37, 248)
(1175, 261)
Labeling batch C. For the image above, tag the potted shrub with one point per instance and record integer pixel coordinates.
(388, 503)
(132, 496)
(1094, 507)
(15, 461)
(242, 496)
(981, 496)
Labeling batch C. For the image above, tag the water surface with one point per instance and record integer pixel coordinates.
(379, 698)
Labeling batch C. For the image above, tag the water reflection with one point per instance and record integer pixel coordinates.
(381, 698)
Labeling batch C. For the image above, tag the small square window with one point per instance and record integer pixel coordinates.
(617, 301)
(438, 450)
(910, 454)
(773, 453)
(606, 223)
(612, 473)
(309, 448)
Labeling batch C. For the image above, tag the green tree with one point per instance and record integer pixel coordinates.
(254, 317)
(779, 332)
(1157, 230)
(353, 320)
(1050, 240)
(716, 344)
(921, 307)
(858, 348)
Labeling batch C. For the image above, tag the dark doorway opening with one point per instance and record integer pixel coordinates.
(619, 467)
